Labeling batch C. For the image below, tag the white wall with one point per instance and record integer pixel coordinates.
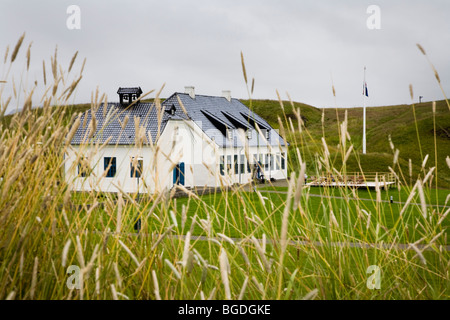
(190, 145)
(97, 181)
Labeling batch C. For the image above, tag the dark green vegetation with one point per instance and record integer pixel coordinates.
(69, 112)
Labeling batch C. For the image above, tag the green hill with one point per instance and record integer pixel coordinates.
(395, 121)
(69, 111)
(270, 110)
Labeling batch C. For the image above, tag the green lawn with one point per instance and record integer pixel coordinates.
(432, 196)
(317, 213)
(243, 214)
(344, 272)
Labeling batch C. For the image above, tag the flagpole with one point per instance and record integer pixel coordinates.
(364, 112)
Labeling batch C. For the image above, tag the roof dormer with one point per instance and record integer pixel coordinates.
(128, 95)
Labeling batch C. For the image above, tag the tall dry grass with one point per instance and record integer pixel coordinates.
(236, 244)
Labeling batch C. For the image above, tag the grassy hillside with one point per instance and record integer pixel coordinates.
(395, 121)
(382, 122)
(69, 111)
(271, 110)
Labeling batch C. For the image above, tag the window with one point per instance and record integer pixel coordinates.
(109, 164)
(83, 167)
(271, 162)
(172, 110)
(228, 164)
(278, 162)
(236, 168)
(283, 161)
(266, 162)
(136, 167)
(267, 134)
(242, 164)
(222, 165)
(249, 133)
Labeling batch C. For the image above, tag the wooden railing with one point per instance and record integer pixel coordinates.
(354, 177)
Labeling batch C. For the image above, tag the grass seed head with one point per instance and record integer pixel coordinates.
(421, 49)
(17, 48)
(73, 61)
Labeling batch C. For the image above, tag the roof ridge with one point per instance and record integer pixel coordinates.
(205, 95)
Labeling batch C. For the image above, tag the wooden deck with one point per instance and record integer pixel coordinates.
(355, 180)
(349, 184)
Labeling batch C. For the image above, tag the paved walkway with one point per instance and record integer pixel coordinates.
(299, 243)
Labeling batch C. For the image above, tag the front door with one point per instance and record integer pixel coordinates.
(178, 174)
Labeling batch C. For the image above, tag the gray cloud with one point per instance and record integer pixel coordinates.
(294, 46)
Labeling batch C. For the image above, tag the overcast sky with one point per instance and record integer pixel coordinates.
(298, 47)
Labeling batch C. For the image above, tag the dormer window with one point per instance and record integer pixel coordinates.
(172, 110)
(267, 134)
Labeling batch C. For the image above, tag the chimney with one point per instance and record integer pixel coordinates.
(226, 94)
(190, 90)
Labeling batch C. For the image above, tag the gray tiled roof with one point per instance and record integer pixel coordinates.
(132, 90)
(110, 126)
(212, 114)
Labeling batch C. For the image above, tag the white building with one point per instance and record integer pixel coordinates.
(192, 140)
